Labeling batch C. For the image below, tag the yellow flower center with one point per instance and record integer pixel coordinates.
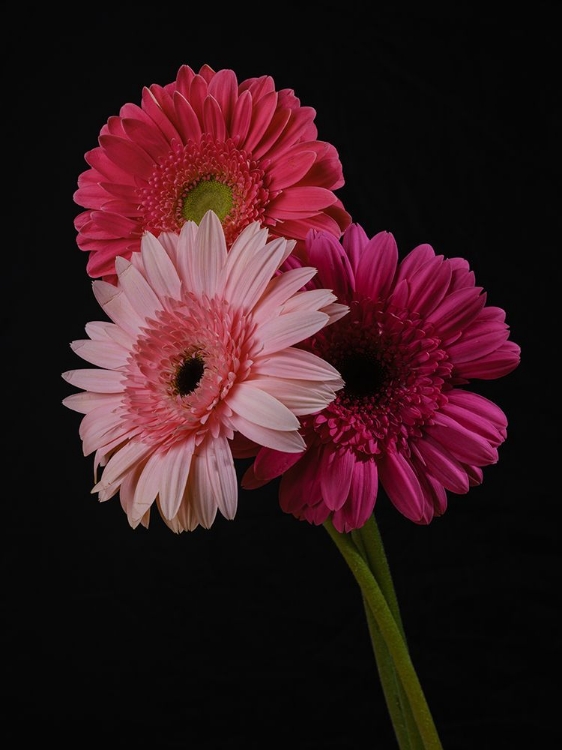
(207, 195)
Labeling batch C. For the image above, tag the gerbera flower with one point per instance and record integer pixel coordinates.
(417, 331)
(202, 345)
(245, 150)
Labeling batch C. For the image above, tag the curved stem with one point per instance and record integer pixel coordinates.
(392, 636)
(371, 549)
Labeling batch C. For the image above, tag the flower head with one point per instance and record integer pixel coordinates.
(417, 331)
(244, 150)
(201, 347)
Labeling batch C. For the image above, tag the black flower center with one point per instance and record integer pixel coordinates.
(362, 373)
(188, 375)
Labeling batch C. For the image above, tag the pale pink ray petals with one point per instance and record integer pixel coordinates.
(255, 405)
(174, 474)
(280, 440)
(297, 364)
(178, 377)
(100, 353)
(100, 381)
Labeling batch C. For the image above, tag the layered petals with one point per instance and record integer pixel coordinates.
(417, 330)
(189, 361)
(205, 141)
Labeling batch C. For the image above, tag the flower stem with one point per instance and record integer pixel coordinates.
(393, 639)
(369, 544)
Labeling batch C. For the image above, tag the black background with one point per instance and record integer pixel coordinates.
(252, 634)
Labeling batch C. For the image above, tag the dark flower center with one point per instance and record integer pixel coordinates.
(362, 373)
(188, 375)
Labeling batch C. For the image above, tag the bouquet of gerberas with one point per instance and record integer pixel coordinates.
(250, 318)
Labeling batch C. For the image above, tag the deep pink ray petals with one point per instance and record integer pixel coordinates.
(127, 155)
(335, 471)
(188, 121)
(377, 266)
(402, 485)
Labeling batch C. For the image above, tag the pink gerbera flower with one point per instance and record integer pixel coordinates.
(245, 150)
(202, 346)
(417, 331)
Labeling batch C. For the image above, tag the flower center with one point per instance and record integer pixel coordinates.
(207, 195)
(395, 375)
(189, 374)
(196, 177)
(362, 373)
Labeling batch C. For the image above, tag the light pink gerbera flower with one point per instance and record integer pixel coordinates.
(202, 345)
(244, 150)
(416, 332)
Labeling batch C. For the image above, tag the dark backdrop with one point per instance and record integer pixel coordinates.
(252, 634)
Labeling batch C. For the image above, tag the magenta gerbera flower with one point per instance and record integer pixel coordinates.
(201, 346)
(244, 150)
(417, 332)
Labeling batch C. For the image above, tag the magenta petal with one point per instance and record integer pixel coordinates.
(335, 470)
(402, 485)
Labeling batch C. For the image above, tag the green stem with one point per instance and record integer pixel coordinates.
(369, 541)
(392, 636)
(372, 551)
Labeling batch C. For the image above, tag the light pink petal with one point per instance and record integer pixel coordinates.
(176, 464)
(101, 353)
(290, 329)
(297, 364)
(301, 397)
(117, 306)
(280, 440)
(160, 270)
(102, 330)
(280, 288)
(100, 427)
(255, 405)
(85, 401)
(138, 291)
(148, 486)
(209, 254)
(131, 454)
(313, 299)
(222, 475)
(243, 288)
(200, 492)
(100, 381)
